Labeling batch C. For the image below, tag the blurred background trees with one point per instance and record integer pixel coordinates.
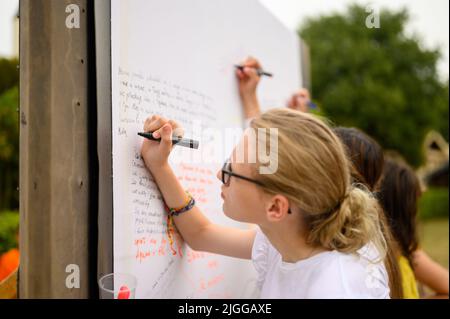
(9, 134)
(9, 154)
(378, 79)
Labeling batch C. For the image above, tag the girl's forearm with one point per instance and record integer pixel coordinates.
(191, 223)
(171, 189)
(430, 273)
(251, 106)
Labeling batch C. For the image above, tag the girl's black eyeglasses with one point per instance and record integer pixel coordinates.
(227, 173)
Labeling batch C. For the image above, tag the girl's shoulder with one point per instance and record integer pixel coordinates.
(263, 256)
(358, 275)
(330, 274)
(263, 252)
(334, 274)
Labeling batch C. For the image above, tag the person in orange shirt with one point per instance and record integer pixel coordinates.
(9, 262)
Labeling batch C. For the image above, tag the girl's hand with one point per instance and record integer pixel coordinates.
(300, 100)
(248, 78)
(154, 153)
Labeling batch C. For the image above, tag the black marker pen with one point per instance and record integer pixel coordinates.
(186, 142)
(259, 71)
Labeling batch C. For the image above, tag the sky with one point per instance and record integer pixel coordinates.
(8, 9)
(429, 19)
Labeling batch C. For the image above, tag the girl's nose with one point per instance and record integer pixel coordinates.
(219, 175)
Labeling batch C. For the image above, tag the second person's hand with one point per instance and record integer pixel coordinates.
(248, 77)
(248, 80)
(300, 100)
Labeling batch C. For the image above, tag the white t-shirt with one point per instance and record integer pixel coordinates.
(330, 274)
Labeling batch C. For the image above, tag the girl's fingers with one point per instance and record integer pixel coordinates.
(250, 72)
(177, 130)
(252, 62)
(240, 74)
(244, 62)
(290, 103)
(155, 124)
(149, 120)
(166, 137)
(295, 101)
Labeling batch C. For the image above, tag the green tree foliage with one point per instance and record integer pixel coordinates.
(434, 203)
(378, 79)
(9, 134)
(9, 228)
(9, 149)
(9, 74)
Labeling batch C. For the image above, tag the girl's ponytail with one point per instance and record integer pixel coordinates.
(349, 226)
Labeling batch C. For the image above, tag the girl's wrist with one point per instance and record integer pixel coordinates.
(248, 97)
(252, 113)
(159, 168)
(251, 107)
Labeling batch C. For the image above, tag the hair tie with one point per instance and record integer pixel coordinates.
(338, 205)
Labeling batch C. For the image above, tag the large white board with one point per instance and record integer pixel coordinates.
(175, 58)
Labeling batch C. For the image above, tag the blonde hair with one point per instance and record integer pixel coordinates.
(314, 174)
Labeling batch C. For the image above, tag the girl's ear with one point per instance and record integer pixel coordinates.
(277, 208)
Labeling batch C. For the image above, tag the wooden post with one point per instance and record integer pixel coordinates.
(57, 204)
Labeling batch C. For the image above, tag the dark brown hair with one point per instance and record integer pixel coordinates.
(367, 159)
(400, 189)
(366, 155)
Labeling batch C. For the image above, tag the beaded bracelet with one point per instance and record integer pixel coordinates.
(190, 202)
